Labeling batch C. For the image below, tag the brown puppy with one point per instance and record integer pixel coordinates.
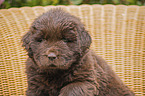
(60, 62)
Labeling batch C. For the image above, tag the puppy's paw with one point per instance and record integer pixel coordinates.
(79, 89)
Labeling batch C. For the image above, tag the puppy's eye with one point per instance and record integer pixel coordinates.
(70, 39)
(67, 40)
(34, 27)
(69, 36)
(39, 39)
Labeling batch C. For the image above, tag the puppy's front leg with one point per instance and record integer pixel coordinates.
(79, 89)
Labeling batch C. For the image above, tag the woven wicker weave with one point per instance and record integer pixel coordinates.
(118, 34)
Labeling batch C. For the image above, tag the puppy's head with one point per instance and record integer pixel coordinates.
(56, 39)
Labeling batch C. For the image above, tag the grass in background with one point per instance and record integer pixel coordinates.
(21, 3)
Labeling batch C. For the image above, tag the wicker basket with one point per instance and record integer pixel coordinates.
(118, 34)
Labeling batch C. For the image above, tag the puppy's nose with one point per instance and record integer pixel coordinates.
(52, 56)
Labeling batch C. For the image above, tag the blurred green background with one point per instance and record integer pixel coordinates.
(21, 3)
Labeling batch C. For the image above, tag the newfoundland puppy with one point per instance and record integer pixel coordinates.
(60, 62)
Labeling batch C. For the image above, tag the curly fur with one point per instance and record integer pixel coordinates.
(60, 62)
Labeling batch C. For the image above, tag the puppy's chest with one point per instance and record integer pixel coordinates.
(53, 84)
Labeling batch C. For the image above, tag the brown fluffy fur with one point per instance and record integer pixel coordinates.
(60, 62)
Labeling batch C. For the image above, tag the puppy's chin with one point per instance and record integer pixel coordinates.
(59, 63)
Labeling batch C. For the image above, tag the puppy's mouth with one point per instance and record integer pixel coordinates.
(61, 62)
(52, 65)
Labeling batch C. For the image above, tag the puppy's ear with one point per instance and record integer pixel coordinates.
(26, 39)
(85, 39)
